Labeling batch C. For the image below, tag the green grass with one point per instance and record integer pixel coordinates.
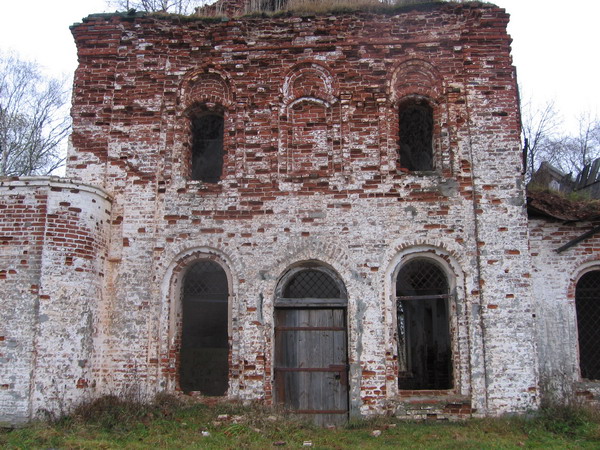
(170, 424)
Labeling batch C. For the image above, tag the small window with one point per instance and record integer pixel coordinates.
(207, 147)
(416, 135)
(587, 304)
(424, 351)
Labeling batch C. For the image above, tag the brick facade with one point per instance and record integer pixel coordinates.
(311, 173)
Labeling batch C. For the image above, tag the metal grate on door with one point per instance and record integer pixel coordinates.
(312, 283)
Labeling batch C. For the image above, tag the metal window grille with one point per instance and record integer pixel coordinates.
(205, 280)
(312, 283)
(420, 278)
(424, 353)
(587, 299)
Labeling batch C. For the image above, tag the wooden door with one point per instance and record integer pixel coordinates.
(311, 371)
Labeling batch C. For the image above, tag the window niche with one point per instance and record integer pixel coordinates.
(207, 130)
(416, 135)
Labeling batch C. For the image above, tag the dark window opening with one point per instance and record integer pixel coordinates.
(207, 147)
(587, 304)
(424, 351)
(311, 283)
(203, 364)
(416, 136)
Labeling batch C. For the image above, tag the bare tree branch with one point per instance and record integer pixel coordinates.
(540, 130)
(186, 7)
(575, 152)
(546, 141)
(34, 119)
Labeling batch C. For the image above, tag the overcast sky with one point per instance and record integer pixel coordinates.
(555, 44)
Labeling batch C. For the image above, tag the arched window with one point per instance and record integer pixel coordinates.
(204, 353)
(424, 348)
(416, 135)
(587, 304)
(207, 146)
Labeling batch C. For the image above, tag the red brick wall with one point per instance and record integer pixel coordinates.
(311, 172)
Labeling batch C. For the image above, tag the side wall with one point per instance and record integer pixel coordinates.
(555, 277)
(53, 237)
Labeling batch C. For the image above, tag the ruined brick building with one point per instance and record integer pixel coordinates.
(321, 210)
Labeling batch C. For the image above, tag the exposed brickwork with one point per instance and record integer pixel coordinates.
(555, 277)
(311, 173)
(51, 282)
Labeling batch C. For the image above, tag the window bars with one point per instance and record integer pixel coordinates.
(587, 300)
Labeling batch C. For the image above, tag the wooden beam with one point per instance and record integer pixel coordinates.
(577, 240)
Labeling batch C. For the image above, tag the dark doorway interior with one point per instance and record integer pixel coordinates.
(203, 364)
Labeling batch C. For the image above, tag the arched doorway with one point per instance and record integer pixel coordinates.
(310, 361)
(204, 350)
(424, 345)
(587, 304)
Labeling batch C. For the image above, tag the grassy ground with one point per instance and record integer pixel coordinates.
(110, 423)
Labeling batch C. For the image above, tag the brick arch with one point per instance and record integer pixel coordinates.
(170, 327)
(451, 264)
(444, 257)
(415, 77)
(309, 79)
(206, 86)
(204, 91)
(310, 140)
(416, 82)
(295, 254)
(328, 253)
(581, 269)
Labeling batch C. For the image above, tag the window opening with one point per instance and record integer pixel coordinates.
(204, 350)
(207, 147)
(424, 352)
(416, 136)
(587, 304)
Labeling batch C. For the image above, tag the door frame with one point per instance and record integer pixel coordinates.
(307, 303)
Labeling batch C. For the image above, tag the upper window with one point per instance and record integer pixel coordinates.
(587, 304)
(416, 135)
(207, 147)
